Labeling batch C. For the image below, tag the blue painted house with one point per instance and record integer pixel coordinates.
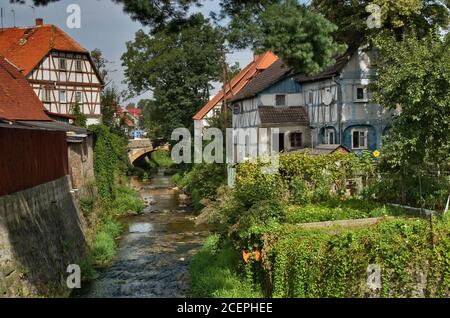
(336, 102)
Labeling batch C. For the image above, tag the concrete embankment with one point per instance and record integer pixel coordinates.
(41, 233)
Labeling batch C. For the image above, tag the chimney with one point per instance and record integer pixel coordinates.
(39, 22)
(255, 55)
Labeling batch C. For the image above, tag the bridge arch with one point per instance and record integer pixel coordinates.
(138, 148)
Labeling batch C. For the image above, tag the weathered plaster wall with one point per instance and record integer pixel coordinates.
(41, 233)
(81, 164)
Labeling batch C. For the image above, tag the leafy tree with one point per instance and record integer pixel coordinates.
(414, 76)
(80, 118)
(177, 64)
(109, 104)
(151, 115)
(301, 37)
(397, 16)
(100, 63)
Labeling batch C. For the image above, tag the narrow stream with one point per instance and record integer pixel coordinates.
(154, 252)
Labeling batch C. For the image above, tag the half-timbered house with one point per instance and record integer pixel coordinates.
(337, 102)
(233, 87)
(60, 71)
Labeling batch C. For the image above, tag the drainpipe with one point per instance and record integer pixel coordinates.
(339, 104)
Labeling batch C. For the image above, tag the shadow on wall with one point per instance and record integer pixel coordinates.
(41, 233)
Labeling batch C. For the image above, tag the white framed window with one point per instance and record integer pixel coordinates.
(78, 65)
(62, 96)
(330, 138)
(280, 100)
(62, 64)
(46, 94)
(310, 97)
(78, 97)
(237, 109)
(359, 138)
(361, 93)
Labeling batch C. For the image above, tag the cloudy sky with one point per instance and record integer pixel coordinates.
(103, 25)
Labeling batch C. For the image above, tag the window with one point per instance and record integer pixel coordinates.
(359, 138)
(216, 112)
(280, 100)
(46, 94)
(329, 136)
(311, 98)
(236, 109)
(296, 139)
(78, 66)
(78, 97)
(361, 94)
(62, 64)
(62, 96)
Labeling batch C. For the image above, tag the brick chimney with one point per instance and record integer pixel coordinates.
(39, 22)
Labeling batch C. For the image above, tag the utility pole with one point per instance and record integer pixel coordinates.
(226, 79)
(14, 17)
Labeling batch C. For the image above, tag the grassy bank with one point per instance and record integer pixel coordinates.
(109, 198)
(104, 226)
(216, 271)
(260, 218)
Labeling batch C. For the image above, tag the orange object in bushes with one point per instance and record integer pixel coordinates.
(257, 255)
(246, 256)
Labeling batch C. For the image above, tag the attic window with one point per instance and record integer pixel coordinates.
(361, 93)
(280, 100)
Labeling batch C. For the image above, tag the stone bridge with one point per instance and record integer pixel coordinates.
(138, 148)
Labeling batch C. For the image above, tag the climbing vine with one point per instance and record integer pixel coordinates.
(109, 159)
(410, 265)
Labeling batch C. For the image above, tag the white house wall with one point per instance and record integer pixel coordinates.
(48, 76)
(319, 113)
(248, 117)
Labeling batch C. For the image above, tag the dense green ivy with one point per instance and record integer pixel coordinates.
(411, 264)
(109, 159)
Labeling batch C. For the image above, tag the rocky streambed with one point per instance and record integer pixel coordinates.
(154, 252)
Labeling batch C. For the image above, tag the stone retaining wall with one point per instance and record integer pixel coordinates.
(41, 233)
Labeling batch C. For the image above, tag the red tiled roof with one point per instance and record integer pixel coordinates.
(17, 99)
(26, 47)
(238, 82)
(136, 112)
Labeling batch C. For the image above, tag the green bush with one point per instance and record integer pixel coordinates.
(127, 201)
(104, 245)
(339, 210)
(300, 191)
(86, 205)
(202, 181)
(324, 263)
(162, 158)
(214, 272)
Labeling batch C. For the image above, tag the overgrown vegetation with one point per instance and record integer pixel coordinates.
(323, 263)
(214, 272)
(261, 215)
(201, 182)
(110, 199)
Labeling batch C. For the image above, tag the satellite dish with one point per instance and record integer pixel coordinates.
(327, 98)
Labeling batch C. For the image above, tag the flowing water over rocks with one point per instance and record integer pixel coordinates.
(154, 252)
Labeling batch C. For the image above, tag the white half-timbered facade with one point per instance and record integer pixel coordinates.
(60, 71)
(64, 79)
